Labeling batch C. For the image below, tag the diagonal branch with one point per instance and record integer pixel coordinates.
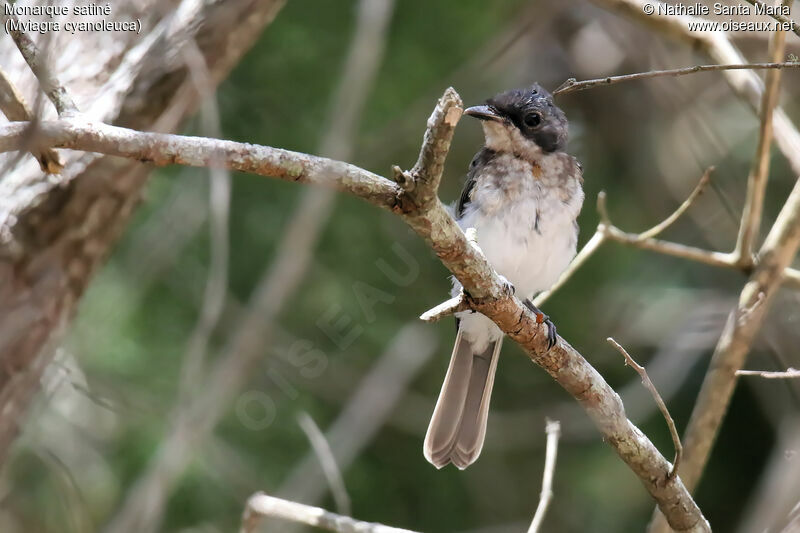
(673, 431)
(37, 61)
(431, 221)
(757, 180)
(14, 107)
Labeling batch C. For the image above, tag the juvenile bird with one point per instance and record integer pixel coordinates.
(522, 195)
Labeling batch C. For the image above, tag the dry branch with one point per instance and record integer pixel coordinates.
(37, 61)
(673, 431)
(14, 107)
(572, 85)
(790, 373)
(553, 430)
(422, 210)
(261, 506)
(757, 180)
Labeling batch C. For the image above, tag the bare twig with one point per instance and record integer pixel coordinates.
(790, 373)
(54, 90)
(581, 257)
(673, 431)
(572, 85)
(667, 222)
(219, 195)
(14, 107)
(324, 454)
(376, 397)
(759, 171)
(261, 505)
(745, 83)
(553, 430)
(450, 307)
(645, 240)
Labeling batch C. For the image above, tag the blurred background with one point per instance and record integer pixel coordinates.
(242, 323)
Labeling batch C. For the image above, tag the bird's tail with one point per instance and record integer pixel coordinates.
(458, 424)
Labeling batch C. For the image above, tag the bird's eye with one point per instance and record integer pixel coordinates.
(532, 120)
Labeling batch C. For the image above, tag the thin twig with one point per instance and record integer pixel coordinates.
(261, 505)
(553, 430)
(790, 373)
(14, 107)
(673, 431)
(759, 171)
(377, 395)
(447, 308)
(667, 222)
(327, 461)
(586, 252)
(572, 85)
(54, 90)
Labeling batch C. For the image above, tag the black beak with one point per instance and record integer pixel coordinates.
(483, 112)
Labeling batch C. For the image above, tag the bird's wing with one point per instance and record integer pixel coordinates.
(480, 160)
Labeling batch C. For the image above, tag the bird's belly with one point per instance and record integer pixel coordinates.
(530, 250)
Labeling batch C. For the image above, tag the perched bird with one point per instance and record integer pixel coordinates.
(522, 195)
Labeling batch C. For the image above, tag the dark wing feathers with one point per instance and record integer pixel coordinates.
(481, 159)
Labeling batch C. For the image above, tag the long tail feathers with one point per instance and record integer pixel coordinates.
(458, 424)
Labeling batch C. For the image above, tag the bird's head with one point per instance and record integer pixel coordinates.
(522, 121)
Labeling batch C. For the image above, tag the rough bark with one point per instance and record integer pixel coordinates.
(56, 230)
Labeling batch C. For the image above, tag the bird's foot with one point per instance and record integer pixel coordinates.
(542, 318)
(508, 287)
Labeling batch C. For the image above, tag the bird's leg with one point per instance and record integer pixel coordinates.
(542, 318)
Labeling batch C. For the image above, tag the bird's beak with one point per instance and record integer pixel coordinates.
(483, 112)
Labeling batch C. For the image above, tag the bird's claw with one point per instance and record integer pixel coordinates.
(508, 287)
(541, 318)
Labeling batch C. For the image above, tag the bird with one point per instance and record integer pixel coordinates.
(522, 196)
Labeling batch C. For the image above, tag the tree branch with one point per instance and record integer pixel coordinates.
(759, 172)
(572, 85)
(790, 373)
(261, 505)
(431, 221)
(745, 83)
(673, 431)
(54, 90)
(553, 430)
(14, 107)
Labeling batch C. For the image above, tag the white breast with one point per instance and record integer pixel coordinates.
(526, 229)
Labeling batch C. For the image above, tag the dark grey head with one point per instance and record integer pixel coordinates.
(531, 111)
